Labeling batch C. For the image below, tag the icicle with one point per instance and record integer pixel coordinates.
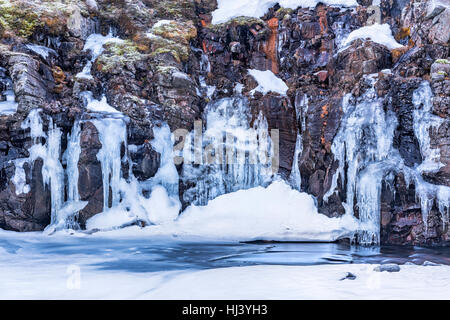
(362, 146)
(167, 174)
(424, 121)
(62, 213)
(233, 155)
(53, 172)
(295, 178)
(71, 157)
(112, 134)
(34, 122)
(301, 111)
(9, 105)
(205, 69)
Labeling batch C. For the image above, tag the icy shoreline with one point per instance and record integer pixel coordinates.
(256, 282)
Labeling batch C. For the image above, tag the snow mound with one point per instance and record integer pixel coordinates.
(268, 81)
(274, 213)
(110, 219)
(379, 33)
(229, 9)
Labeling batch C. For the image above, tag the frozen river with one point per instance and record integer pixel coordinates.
(96, 266)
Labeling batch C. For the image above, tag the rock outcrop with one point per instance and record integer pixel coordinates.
(172, 61)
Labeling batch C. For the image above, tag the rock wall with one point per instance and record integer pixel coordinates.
(158, 74)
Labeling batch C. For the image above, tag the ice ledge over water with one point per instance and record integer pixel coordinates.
(274, 213)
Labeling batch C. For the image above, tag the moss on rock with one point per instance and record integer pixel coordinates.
(175, 9)
(239, 21)
(118, 55)
(442, 61)
(21, 18)
(178, 31)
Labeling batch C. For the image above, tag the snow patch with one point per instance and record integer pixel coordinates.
(101, 105)
(229, 9)
(268, 81)
(110, 219)
(379, 33)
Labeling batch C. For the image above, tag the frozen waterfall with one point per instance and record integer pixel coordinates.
(230, 155)
(364, 148)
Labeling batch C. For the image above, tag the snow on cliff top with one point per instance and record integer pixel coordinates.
(380, 33)
(268, 81)
(229, 9)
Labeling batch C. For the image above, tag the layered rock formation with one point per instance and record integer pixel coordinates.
(172, 64)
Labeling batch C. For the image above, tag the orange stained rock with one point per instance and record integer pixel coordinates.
(324, 111)
(397, 53)
(270, 47)
(323, 22)
(403, 33)
(58, 74)
(207, 48)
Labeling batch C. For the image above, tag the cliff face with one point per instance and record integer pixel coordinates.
(172, 64)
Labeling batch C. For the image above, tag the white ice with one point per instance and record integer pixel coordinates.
(100, 106)
(274, 213)
(76, 277)
(379, 33)
(307, 282)
(233, 155)
(41, 50)
(94, 43)
(229, 9)
(128, 202)
(9, 106)
(268, 81)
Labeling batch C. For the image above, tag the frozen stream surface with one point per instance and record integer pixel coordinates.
(110, 266)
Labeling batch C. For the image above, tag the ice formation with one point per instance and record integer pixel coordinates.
(367, 158)
(9, 105)
(94, 43)
(41, 50)
(232, 187)
(230, 155)
(300, 110)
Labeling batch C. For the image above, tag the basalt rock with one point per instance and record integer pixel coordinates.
(173, 62)
(280, 115)
(90, 173)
